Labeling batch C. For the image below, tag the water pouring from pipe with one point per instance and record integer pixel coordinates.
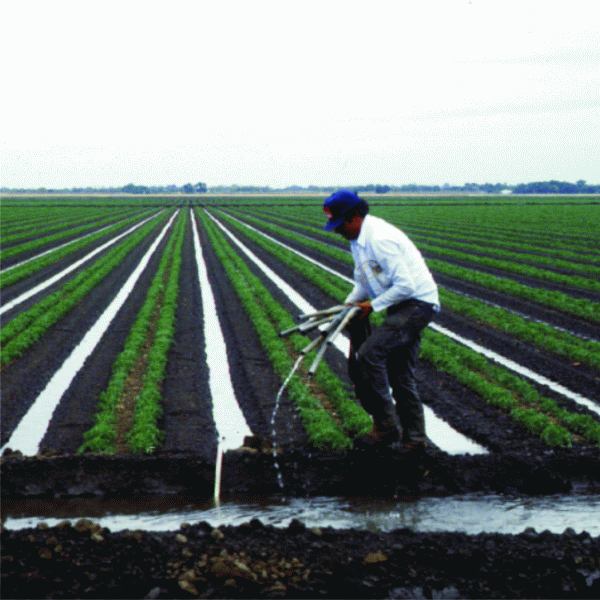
(218, 470)
(336, 317)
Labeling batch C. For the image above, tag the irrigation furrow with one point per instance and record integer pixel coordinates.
(71, 242)
(129, 406)
(555, 387)
(333, 254)
(30, 431)
(566, 261)
(440, 433)
(73, 267)
(253, 374)
(517, 276)
(28, 326)
(325, 408)
(229, 419)
(51, 225)
(16, 244)
(521, 370)
(295, 248)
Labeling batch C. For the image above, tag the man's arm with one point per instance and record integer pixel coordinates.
(358, 294)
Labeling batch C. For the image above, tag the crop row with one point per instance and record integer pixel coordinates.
(48, 234)
(130, 406)
(560, 342)
(495, 384)
(551, 249)
(268, 318)
(547, 252)
(483, 256)
(552, 225)
(45, 259)
(29, 326)
(329, 414)
(24, 219)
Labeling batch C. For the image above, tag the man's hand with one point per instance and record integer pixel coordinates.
(366, 309)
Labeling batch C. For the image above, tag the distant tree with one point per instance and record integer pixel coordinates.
(492, 188)
(135, 189)
(382, 189)
(188, 188)
(550, 187)
(200, 188)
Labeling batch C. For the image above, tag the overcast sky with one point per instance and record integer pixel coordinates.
(327, 92)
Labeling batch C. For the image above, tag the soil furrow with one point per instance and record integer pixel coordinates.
(575, 324)
(60, 228)
(579, 379)
(24, 378)
(483, 423)
(74, 415)
(254, 380)
(11, 292)
(187, 417)
(560, 369)
(255, 560)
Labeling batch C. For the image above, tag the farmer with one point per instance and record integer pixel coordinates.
(390, 275)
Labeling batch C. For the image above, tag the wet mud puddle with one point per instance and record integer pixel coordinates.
(471, 513)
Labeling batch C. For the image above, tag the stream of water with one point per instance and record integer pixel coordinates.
(472, 513)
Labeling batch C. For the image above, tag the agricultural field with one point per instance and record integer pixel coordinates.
(140, 339)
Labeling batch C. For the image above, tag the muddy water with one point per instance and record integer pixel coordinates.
(471, 514)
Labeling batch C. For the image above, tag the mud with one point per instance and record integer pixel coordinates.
(81, 560)
(257, 561)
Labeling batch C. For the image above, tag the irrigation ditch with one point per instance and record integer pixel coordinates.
(66, 549)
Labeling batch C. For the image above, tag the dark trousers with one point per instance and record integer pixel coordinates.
(385, 358)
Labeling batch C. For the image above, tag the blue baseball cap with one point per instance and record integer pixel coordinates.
(337, 205)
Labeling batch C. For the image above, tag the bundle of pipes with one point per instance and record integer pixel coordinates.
(336, 318)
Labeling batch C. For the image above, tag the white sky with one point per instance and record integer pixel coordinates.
(327, 92)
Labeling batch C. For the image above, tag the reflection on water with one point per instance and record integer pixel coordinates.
(447, 438)
(470, 513)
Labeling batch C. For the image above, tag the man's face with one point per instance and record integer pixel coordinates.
(350, 229)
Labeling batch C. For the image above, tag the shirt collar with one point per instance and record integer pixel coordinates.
(361, 240)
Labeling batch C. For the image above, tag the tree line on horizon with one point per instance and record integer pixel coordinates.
(538, 187)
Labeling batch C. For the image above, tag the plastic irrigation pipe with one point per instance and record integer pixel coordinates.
(334, 329)
(312, 345)
(318, 358)
(326, 311)
(336, 316)
(312, 324)
(307, 326)
(349, 314)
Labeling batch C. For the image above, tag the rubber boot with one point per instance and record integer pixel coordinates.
(383, 433)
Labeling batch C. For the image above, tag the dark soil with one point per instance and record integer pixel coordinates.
(254, 560)
(258, 561)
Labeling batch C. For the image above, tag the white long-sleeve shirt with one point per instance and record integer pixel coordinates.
(388, 267)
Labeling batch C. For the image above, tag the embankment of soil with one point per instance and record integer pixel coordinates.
(304, 470)
(258, 561)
